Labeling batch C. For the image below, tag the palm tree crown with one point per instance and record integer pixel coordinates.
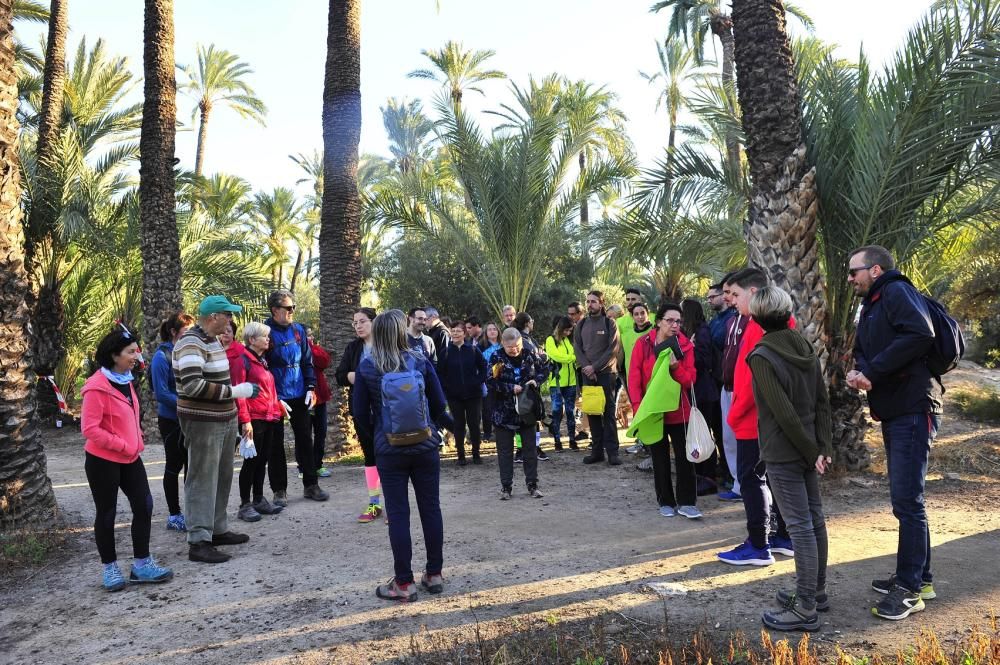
(458, 69)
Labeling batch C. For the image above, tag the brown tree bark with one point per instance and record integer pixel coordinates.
(340, 255)
(161, 254)
(722, 27)
(204, 108)
(26, 496)
(584, 214)
(781, 229)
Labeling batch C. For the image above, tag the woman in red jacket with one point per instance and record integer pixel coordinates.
(667, 334)
(321, 360)
(110, 424)
(259, 418)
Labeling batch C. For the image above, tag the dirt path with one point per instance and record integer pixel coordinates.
(302, 590)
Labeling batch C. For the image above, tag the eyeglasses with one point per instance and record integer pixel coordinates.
(854, 271)
(673, 322)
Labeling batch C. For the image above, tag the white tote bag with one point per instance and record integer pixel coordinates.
(700, 444)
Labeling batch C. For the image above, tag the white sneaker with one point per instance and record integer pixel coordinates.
(689, 512)
(634, 448)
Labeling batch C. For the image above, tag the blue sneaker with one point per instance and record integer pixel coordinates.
(729, 495)
(746, 554)
(113, 578)
(323, 472)
(176, 523)
(781, 545)
(147, 571)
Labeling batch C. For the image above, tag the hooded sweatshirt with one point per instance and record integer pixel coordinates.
(110, 422)
(793, 407)
(743, 412)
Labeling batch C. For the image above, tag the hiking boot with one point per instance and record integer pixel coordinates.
(729, 495)
(614, 460)
(432, 583)
(898, 604)
(229, 538)
(690, 512)
(557, 446)
(745, 554)
(176, 523)
(593, 458)
(534, 493)
(206, 553)
(582, 436)
(645, 465)
(542, 457)
(782, 546)
(885, 586)
(247, 513)
(506, 494)
(476, 459)
(573, 446)
(112, 578)
(461, 461)
(316, 493)
(822, 600)
(667, 511)
(372, 513)
(393, 590)
(281, 498)
(265, 507)
(150, 572)
(792, 616)
(323, 472)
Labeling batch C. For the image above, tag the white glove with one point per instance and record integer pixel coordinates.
(247, 449)
(286, 407)
(245, 390)
(310, 399)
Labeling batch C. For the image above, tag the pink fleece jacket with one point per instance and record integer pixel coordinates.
(109, 423)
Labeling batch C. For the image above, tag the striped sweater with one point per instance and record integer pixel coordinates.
(201, 371)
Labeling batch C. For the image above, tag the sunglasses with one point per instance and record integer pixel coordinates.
(287, 308)
(854, 271)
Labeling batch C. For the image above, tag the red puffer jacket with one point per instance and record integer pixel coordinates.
(640, 371)
(321, 360)
(247, 367)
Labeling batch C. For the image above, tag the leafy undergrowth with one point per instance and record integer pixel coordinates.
(21, 551)
(614, 639)
(981, 403)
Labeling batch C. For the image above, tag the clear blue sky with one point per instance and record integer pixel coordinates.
(284, 41)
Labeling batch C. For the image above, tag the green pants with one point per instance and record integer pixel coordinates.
(209, 476)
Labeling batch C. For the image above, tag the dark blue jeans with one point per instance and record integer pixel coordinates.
(564, 400)
(761, 516)
(397, 471)
(907, 446)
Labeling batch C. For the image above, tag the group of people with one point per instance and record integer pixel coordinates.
(411, 377)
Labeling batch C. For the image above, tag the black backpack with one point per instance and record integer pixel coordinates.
(949, 343)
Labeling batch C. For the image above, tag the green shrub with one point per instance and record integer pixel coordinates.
(978, 403)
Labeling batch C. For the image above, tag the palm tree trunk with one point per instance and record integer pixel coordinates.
(340, 235)
(781, 230)
(722, 27)
(295, 271)
(199, 159)
(584, 213)
(161, 254)
(26, 496)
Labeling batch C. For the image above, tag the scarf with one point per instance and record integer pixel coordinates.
(116, 377)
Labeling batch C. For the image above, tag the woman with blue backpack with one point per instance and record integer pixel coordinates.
(399, 390)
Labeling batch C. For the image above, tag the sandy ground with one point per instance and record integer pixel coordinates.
(302, 589)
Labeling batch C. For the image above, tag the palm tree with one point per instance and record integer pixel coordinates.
(275, 220)
(408, 130)
(26, 496)
(219, 78)
(340, 265)
(458, 70)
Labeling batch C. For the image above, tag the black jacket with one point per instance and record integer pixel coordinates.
(893, 337)
(439, 333)
(349, 362)
(462, 370)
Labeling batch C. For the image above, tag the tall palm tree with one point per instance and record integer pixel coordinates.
(312, 166)
(275, 220)
(219, 78)
(408, 130)
(340, 264)
(161, 254)
(458, 70)
(26, 496)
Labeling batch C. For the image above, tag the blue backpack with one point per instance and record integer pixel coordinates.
(949, 343)
(405, 414)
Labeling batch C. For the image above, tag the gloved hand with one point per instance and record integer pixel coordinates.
(310, 398)
(247, 449)
(245, 390)
(286, 407)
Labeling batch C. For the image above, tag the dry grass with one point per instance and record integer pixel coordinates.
(615, 639)
(23, 551)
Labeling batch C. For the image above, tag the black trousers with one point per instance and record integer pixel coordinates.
(106, 478)
(466, 413)
(604, 428)
(505, 455)
(277, 469)
(673, 438)
(177, 460)
(252, 470)
(367, 442)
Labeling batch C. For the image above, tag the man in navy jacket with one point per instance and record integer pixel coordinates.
(893, 338)
(462, 370)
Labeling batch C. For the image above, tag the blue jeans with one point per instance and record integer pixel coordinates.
(907, 442)
(424, 471)
(762, 517)
(563, 399)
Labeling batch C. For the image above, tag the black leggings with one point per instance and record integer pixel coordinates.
(252, 470)
(367, 442)
(177, 460)
(105, 478)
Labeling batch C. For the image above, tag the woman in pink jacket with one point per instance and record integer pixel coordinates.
(259, 417)
(667, 334)
(110, 424)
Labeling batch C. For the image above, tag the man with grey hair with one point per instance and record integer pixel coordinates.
(437, 331)
(206, 411)
(509, 312)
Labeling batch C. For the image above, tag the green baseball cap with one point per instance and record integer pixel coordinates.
(216, 304)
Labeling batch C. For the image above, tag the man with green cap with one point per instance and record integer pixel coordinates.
(206, 410)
